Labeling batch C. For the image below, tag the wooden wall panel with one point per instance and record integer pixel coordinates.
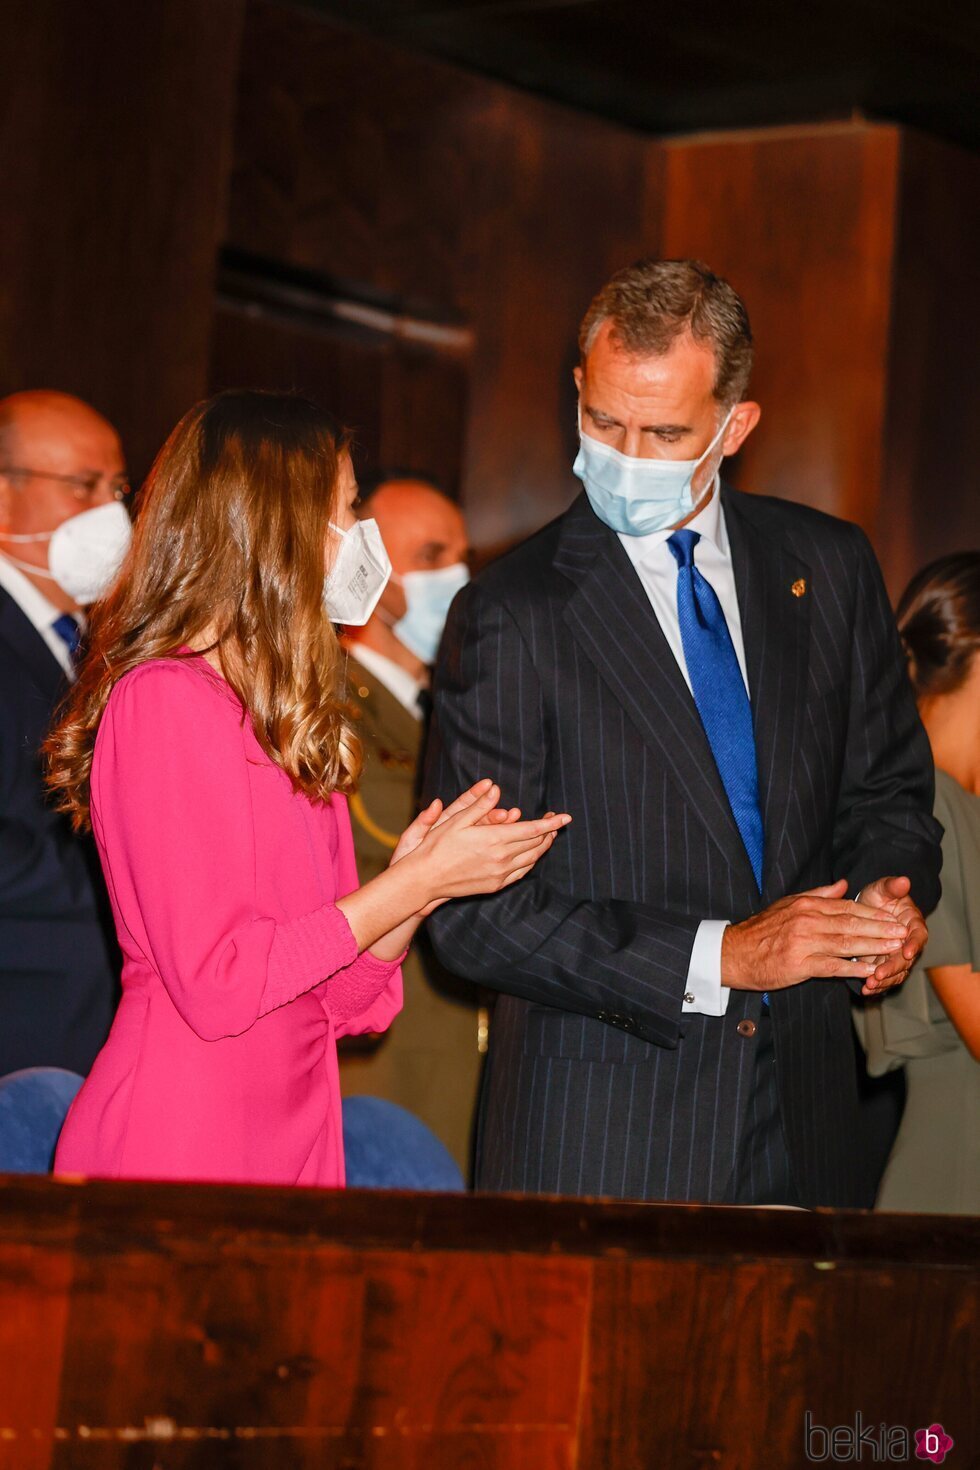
(801, 222)
(467, 201)
(114, 146)
(930, 493)
(404, 406)
(451, 194)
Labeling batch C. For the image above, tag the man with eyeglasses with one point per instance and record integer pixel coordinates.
(60, 462)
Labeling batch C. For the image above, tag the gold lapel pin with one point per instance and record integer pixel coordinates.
(799, 587)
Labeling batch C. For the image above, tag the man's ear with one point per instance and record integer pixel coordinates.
(740, 426)
(577, 375)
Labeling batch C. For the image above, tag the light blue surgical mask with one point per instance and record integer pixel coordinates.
(639, 496)
(428, 595)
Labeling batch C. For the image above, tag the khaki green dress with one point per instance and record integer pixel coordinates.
(429, 1061)
(934, 1167)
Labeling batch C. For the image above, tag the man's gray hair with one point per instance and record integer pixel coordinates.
(652, 303)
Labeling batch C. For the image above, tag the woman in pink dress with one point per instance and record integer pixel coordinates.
(207, 745)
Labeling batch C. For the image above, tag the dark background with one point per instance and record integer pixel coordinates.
(198, 193)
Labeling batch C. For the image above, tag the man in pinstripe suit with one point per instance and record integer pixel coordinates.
(711, 683)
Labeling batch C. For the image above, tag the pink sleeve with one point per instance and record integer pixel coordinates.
(367, 995)
(172, 801)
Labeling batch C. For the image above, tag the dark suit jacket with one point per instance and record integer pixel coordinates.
(58, 969)
(555, 678)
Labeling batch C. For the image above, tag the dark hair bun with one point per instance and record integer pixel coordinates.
(939, 622)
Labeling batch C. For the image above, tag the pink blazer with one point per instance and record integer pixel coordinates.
(239, 970)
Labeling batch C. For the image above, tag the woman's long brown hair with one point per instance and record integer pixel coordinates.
(230, 533)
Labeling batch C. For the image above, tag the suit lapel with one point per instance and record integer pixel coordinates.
(774, 590)
(39, 662)
(610, 616)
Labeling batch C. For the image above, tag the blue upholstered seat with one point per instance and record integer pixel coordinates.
(33, 1104)
(387, 1147)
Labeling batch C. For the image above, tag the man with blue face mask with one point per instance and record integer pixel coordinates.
(712, 684)
(429, 1061)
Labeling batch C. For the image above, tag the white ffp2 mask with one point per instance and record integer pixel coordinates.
(357, 576)
(85, 552)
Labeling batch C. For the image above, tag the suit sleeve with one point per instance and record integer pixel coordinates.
(620, 962)
(39, 856)
(172, 800)
(884, 824)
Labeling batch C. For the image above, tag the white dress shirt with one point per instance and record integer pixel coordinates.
(398, 681)
(657, 570)
(39, 611)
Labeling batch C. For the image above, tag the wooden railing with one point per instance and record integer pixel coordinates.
(165, 1327)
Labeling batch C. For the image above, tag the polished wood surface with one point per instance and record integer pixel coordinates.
(930, 489)
(801, 222)
(115, 138)
(181, 1326)
(447, 193)
(140, 145)
(397, 382)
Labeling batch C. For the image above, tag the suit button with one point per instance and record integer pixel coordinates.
(746, 1028)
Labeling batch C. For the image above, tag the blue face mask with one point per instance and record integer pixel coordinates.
(428, 595)
(638, 496)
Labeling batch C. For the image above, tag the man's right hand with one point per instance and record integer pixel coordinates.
(807, 934)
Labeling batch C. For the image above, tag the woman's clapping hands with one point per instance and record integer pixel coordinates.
(473, 845)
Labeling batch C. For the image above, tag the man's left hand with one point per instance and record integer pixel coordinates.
(892, 894)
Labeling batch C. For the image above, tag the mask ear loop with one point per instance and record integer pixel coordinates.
(715, 478)
(27, 566)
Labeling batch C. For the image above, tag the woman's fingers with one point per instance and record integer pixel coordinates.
(474, 811)
(525, 831)
(478, 809)
(467, 798)
(517, 875)
(418, 829)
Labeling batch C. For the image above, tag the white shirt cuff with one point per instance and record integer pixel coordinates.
(704, 993)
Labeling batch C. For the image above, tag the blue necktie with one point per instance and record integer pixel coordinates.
(719, 693)
(69, 632)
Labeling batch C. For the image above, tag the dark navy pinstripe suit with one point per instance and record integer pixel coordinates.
(555, 678)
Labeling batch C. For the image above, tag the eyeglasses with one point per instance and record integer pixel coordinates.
(84, 487)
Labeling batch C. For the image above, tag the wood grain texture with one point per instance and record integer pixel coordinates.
(451, 193)
(404, 402)
(194, 1328)
(114, 151)
(802, 223)
(930, 482)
